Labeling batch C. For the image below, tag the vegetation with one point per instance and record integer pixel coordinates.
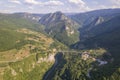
(27, 69)
(28, 53)
(60, 27)
(25, 49)
(73, 67)
(8, 39)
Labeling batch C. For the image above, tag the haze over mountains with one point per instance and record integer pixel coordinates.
(29, 42)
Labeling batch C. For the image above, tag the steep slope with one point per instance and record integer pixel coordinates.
(85, 30)
(60, 27)
(87, 17)
(24, 50)
(91, 63)
(104, 35)
(107, 36)
(107, 27)
(20, 22)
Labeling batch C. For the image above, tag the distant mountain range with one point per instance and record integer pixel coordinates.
(87, 17)
(30, 16)
(101, 24)
(44, 34)
(102, 32)
(69, 28)
(89, 28)
(57, 25)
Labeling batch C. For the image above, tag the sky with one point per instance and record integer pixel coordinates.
(47, 6)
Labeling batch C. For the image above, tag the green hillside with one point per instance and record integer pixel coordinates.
(33, 46)
(77, 66)
(106, 36)
(25, 50)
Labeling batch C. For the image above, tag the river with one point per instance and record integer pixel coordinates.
(50, 72)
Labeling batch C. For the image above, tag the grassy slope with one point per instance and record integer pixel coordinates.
(8, 25)
(21, 45)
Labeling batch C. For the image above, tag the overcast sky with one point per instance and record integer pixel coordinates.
(46, 6)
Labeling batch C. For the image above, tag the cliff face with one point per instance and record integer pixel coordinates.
(60, 27)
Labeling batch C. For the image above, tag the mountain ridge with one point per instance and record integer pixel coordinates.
(27, 45)
(58, 23)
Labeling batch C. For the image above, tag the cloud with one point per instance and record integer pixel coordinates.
(77, 2)
(53, 3)
(32, 2)
(31, 7)
(116, 3)
(78, 5)
(11, 6)
(47, 3)
(4, 11)
(95, 2)
(57, 5)
(15, 1)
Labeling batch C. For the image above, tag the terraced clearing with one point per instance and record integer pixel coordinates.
(28, 59)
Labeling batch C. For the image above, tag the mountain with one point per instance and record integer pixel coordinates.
(85, 30)
(87, 17)
(29, 16)
(60, 27)
(100, 22)
(33, 46)
(25, 50)
(99, 55)
(56, 24)
(102, 34)
(105, 34)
